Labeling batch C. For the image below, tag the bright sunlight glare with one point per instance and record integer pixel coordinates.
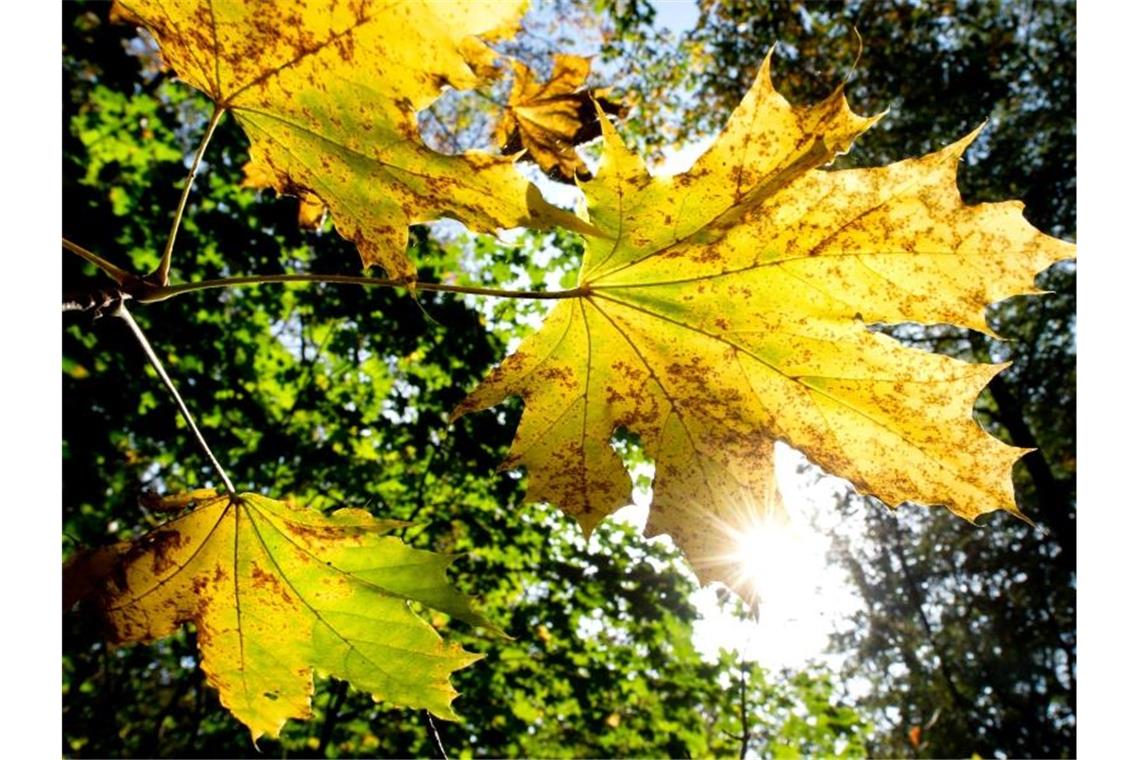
(801, 596)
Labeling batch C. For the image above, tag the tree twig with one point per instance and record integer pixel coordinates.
(745, 734)
(337, 695)
(122, 313)
(120, 276)
(161, 275)
(149, 292)
(916, 598)
(452, 141)
(155, 294)
(435, 735)
(746, 730)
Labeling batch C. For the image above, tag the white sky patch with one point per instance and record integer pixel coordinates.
(559, 193)
(680, 160)
(678, 16)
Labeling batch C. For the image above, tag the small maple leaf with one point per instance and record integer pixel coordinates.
(545, 120)
(730, 310)
(328, 94)
(277, 591)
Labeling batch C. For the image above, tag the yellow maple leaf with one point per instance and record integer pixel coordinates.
(277, 591)
(545, 120)
(328, 94)
(730, 310)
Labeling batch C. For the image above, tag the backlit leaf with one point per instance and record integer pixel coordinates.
(546, 120)
(278, 591)
(328, 93)
(731, 310)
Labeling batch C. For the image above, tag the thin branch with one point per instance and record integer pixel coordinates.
(155, 294)
(420, 501)
(302, 390)
(185, 683)
(753, 614)
(120, 276)
(745, 734)
(435, 735)
(144, 292)
(337, 695)
(489, 99)
(162, 274)
(125, 315)
(916, 598)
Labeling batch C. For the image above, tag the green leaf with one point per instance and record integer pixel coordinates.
(277, 591)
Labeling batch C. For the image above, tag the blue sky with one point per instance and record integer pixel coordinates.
(675, 15)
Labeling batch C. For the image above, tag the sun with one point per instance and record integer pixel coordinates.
(762, 551)
(781, 565)
(777, 554)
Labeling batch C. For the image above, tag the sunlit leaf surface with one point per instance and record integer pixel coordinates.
(731, 310)
(328, 93)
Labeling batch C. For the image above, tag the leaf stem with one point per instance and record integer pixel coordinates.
(120, 276)
(155, 294)
(435, 735)
(162, 274)
(122, 313)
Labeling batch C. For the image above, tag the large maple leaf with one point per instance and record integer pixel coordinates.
(277, 591)
(730, 310)
(328, 93)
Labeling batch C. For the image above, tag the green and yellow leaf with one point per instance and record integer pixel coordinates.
(328, 93)
(730, 310)
(278, 591)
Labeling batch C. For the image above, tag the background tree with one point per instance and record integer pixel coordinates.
(339, 397)
(967, 639)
